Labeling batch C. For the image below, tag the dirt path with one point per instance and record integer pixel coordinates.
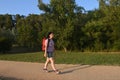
(10, 70)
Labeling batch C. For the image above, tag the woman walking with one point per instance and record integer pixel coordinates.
(49, 49)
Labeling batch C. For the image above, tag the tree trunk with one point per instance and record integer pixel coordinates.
(65, 49)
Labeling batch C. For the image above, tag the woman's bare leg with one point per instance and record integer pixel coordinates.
(52, 63)
(46, 63)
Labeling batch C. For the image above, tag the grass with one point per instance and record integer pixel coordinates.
(91, 58)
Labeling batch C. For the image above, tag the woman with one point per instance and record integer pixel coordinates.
(49, 49)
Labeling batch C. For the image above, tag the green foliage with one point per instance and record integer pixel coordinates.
(6, 21)
(79, 31)
(6, 40)
(28, 31)
(116, 46)
(74, 28)
(104, 29)
(60, 19)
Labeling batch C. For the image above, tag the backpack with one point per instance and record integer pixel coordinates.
(43, 43)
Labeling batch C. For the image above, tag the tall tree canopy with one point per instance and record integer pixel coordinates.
(63, 14)
(74, 27)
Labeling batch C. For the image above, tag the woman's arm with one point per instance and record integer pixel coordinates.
(46, 43)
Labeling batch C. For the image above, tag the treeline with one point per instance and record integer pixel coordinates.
(73, 26)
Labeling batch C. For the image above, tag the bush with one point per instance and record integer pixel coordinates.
(116, 46)
(6, 39)
(5, 44)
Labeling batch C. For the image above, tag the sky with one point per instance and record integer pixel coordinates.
(26, 7)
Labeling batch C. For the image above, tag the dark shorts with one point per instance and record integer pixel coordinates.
(49, 54)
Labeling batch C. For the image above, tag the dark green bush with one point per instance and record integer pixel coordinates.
(6, 40)
(116, 46)
(5, 44)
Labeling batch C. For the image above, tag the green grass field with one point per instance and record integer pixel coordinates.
(90, 58)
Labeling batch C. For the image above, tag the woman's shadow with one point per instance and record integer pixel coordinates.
(73, 68)
(8, 78)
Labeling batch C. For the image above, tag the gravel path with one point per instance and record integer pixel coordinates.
(10, 70)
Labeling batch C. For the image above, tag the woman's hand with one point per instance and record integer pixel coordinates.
(45, 55)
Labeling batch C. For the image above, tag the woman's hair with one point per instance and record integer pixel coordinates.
(48, 36)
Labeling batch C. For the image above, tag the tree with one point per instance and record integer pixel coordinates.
(62, 13)
(28, 31)
(6, 21)
(6, 40)
(104, 27)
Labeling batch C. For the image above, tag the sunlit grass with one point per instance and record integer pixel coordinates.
(91, 58)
